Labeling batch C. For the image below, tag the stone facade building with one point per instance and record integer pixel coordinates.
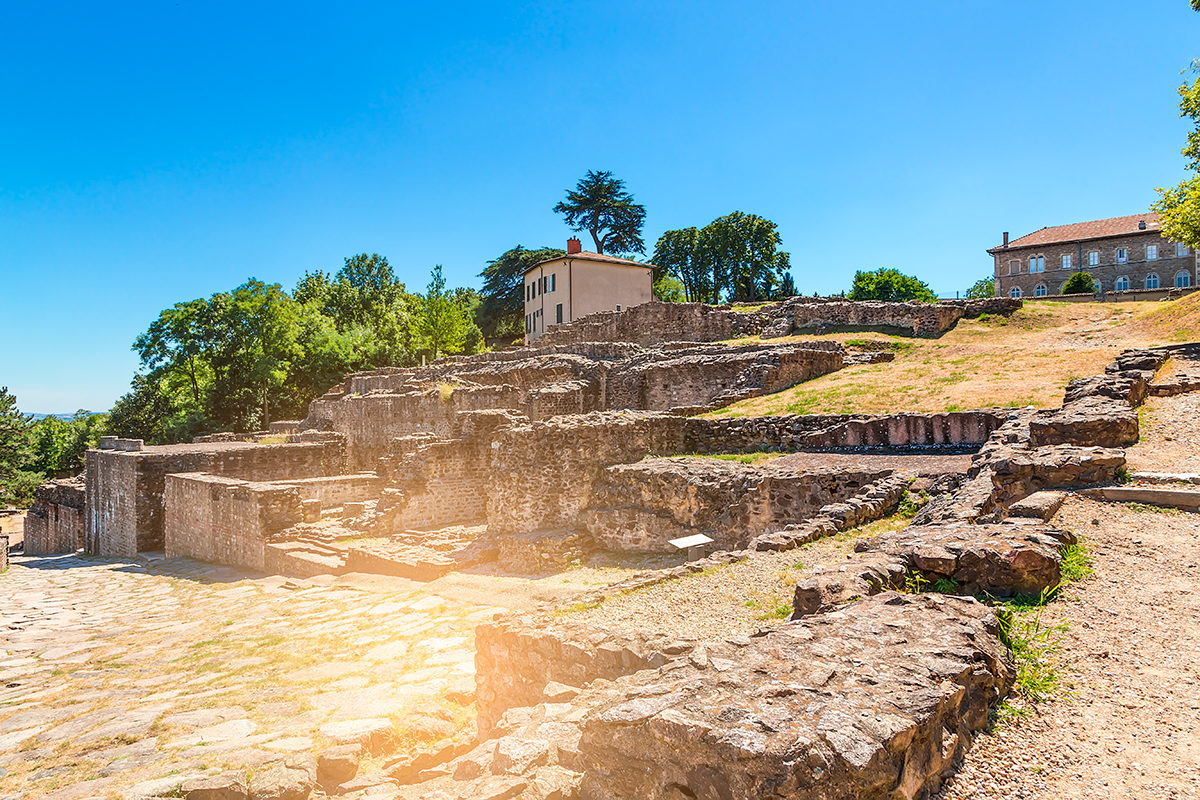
(563, 289)
(1123, 254)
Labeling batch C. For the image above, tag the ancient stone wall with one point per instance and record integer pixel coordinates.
(55, 521)
(333, 490)
(640, 507)
(225, 520)
(124, 508)
(655, 323)
(546, 382)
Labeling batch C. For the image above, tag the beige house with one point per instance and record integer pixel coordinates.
(572, 286)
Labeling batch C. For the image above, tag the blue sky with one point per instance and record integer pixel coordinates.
(152, 153)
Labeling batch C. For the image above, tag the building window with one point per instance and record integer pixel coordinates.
(1037, 264)
(1151, 281)
(1151, 252)
(1094, 258)
(553, 281)
(1066, 262)
(1040, 290)
(1122, 255)
(1183, 279)
(558, 314)
(1014, 291)
(1122, 284)
(1181, 250)
(1014, 267)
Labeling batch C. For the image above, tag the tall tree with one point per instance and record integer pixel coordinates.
(890, 285)
(735, 257)
(1179, 207)
(982, 288)
(680, 254)
(443, 322)
(17, 481)
(502, 307)
(601, 206)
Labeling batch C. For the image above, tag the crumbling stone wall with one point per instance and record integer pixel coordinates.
(55, 521)
(546, 382)
(225, 520)
(655, 323)
(641, 507)
(438, 481)
(124, 505)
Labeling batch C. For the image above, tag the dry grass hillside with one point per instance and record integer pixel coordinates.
(1026, 359)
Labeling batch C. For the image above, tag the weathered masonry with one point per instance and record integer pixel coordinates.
(126, 486)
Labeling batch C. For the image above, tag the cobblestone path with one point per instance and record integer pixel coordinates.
(117, 679)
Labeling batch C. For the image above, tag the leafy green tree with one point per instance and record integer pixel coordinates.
(682, 255)
(58, 444)
(601, 206)
(890, 285)
(983, 288)
(1080, 283)
(1179, 207)
(668, 289)
(500, 313)
(17, 481)
(743, 251)
(735, 257)
(443, 321)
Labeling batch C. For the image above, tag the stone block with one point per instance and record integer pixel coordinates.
(310, 510)
(1039, 505)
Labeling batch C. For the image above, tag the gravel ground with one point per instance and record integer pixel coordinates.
(1170, 435)
(1128, 724)
(727, 601)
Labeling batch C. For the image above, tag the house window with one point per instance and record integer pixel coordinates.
(1014, 291)
(1122, 255)
(1180, 249)
(1094, 258)
(1122, 284)
(1037, 264)
(1066, 262)
(618, 308)
(1151, 252)
(1183, 279)
(1014, 267)
(1151, 281)
(553, 282)
(558, 313)
(1040, 290)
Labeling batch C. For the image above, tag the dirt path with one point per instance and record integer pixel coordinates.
(1129, 726)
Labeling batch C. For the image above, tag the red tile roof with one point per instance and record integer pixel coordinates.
(587, 255)
(1096, 229)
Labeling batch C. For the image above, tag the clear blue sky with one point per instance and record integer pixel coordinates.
(152, 153)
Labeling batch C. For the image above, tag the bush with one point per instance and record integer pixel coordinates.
(890, 285)
(1080, 283)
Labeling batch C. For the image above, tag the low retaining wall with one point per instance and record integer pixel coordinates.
(225, 520)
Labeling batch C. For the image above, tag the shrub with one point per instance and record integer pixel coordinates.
(1080, 283)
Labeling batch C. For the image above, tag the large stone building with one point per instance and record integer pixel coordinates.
(1123, 254)
(579, 283)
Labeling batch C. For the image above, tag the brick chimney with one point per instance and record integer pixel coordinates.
(1005, 239)
(573, 246)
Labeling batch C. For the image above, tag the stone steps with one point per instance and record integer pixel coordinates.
(1183, 499)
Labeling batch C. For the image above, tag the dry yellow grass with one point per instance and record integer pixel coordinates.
(1024, 360)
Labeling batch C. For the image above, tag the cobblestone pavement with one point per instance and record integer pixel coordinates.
(118, 679)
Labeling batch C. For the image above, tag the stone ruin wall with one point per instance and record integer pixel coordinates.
(542, 383)
(125, 490)
(55, 521)
(639, 508)
(655, 323)
(225, 520)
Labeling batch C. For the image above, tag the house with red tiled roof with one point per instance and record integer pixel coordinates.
(579, 283)
(1123, 254)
